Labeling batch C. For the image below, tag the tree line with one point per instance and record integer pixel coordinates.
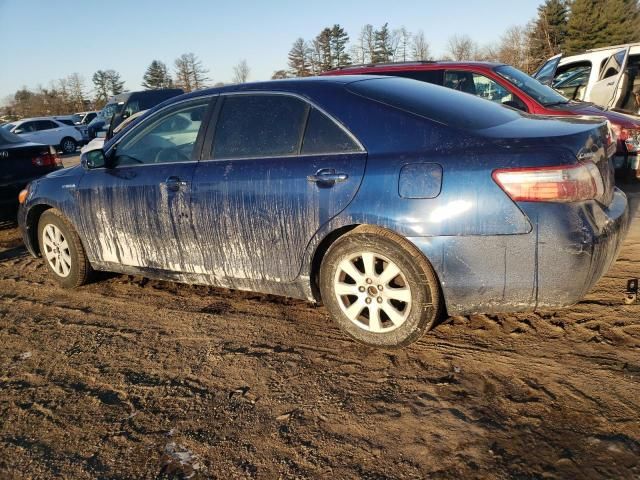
(71, 94)
(567, 26)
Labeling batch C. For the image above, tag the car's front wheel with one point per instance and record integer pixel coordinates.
(379, 288)
(68, 145)
(62, 250)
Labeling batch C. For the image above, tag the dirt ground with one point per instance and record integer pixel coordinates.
(129, 378)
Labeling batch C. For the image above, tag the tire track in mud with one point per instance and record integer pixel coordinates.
(126, 376)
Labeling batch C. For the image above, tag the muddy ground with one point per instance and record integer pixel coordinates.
(129, 378)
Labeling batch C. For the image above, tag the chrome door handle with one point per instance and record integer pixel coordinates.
(327, 175)
(174, 183)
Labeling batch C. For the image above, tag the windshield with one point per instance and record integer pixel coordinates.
(544, 95)
(108, 111)
(8, 126)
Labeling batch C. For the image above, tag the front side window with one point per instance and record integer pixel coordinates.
(322, 135)
(27, 127)
(165, 138)
(481, 86)
(259, 126)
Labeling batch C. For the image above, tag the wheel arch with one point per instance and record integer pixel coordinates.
(338, 233)
(31, 223)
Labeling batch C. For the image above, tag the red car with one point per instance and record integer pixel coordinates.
(509, 86)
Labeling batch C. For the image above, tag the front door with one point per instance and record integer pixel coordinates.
(138, 207)
(547, 72)
(277, 171)
(610, 85)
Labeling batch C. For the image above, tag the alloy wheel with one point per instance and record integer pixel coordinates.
(372, 292)
(56, 250)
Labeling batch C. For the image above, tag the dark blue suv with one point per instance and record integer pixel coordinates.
(388, 199)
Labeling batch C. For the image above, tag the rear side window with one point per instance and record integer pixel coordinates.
(429, 76)
(259, 126)
(46, 125)
(436, 103)
(324, 136)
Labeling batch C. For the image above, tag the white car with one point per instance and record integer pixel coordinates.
(47, 131)
(609, 76)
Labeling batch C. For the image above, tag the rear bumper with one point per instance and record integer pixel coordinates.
(569, 249)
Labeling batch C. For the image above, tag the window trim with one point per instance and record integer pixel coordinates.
(207, 150)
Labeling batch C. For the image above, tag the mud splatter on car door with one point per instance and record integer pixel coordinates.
(277, 172)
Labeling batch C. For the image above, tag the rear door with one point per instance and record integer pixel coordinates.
(276, 170)
(610, 85)
(49, 132)
(547, 72)
(137, 210)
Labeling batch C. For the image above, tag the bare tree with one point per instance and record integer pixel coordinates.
(279, 75)
(190, 74)
(461, 47)
(419, 47)
(362, 51)
(241, 72)
(77, 93)
(403, 39)
(514, 48)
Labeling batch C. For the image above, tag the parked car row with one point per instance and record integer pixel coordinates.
(48, 131)
(122, 106)
(21, 161)
(509, 86)
(389, 200)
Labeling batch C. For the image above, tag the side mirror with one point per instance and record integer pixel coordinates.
(94, 159)
(18, 131)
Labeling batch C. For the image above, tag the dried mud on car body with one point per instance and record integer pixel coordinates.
(129, 378)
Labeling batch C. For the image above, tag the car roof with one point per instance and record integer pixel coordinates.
(285, 84)
(414, 65)
(38, 118)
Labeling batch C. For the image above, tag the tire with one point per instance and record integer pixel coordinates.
(407, 305)
(68, 145)
(62, 250)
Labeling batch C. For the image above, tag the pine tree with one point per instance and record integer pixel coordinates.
(586, 26)
(322, 52)
(339, 41)
(101, 85)
(157, 76)
(299, 59)
(548, 32)
(382, 51)
(622, 22)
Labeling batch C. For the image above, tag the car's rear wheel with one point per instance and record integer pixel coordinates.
(379, 288)
(68, 145)
(62, 250)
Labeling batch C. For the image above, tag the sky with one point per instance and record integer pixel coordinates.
(43, 40)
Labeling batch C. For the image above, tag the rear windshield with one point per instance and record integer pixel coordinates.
(442, 105)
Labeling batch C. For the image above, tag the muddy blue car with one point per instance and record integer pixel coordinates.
(389, 200)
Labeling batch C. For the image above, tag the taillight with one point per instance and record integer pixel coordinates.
(566, 183)
(47, 160)
(629, 137)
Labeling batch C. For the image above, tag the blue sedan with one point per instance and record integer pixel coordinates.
(389, 200)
